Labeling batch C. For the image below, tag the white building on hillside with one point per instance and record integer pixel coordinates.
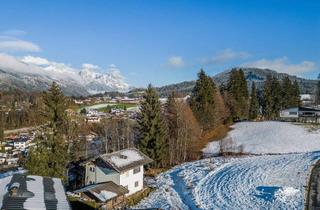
(124, 167)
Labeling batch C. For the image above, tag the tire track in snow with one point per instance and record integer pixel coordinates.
(256, 183)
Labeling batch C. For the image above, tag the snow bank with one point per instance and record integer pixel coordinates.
(254, 182)
(268, 137)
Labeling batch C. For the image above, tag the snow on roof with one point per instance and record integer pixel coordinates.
(105, 195)
(33, 192)
(126, 159)
(306, 97)
(104, 191)
(35, 186)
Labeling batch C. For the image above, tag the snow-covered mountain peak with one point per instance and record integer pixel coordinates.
(96, 81)
(38, 73)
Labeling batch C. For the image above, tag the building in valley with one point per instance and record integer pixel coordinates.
(301, 114)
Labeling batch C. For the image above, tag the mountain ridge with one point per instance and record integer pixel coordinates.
(37, 74)
(256, 75)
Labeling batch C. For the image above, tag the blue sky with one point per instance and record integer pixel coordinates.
(164, 42)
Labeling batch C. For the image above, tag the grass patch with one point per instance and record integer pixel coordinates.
(135, 198)
(117, 106)
(153, 172)
(80, 204)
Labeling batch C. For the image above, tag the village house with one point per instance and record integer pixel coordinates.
(124, 167)
(21, 143)
(301, 114)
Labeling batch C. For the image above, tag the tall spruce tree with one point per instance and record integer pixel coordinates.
(238, 90)
(296, 94)
(276, 97)
(152, 129)
(254, 103)
(317, 93)
(268, 99)
(272, 98)
(202, 101)
(287, 93)
(1, 129)
(50, 157)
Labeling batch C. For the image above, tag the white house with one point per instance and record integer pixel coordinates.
(304, 114)
(292, 113)
(124, 167)
(21, 144)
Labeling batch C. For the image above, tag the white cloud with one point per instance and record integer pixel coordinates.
(283, 65)
(90, 66)
(176, 61)
(14, 32)
(18, 46)
(35, 60)
(225, 56)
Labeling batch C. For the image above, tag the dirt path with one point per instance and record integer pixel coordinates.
(313, 195)
(180, 187)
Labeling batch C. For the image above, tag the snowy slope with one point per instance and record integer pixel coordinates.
(255, 182)
(269, 137)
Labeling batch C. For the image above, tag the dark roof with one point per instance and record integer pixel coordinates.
(95, 189)
(35, 192)
(308, 109)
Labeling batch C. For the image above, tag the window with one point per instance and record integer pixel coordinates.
(92, 169)
(293, 113)
(136, 184)
(136, 170)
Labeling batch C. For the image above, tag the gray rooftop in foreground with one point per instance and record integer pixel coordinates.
(32, 192)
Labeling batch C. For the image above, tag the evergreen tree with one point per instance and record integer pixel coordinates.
(296, 94)
(254, 103)
(276, 97)
(202, 101)
(268, 99)
(238, 90)
(287, 93)
(50, 157)
(272, 98)
(1, 130)
(152, 129)
(317, 95)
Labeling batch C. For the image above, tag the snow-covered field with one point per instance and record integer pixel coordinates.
(268, 138)
(250, 182)
(255, 182)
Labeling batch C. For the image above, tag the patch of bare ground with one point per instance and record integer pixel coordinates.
(215, 134)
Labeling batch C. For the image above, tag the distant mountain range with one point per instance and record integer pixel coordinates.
(33, 74)
(252, 75)
(36, 74)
